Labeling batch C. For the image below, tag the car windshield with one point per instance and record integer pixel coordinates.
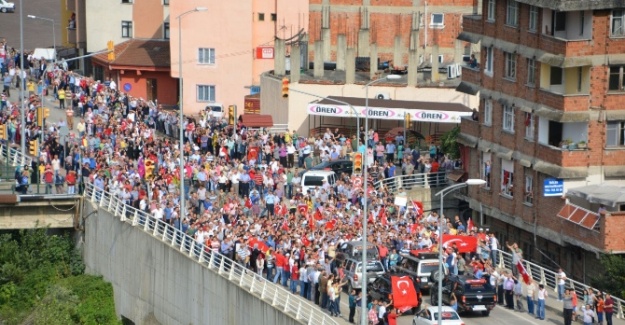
(374, 267)
(447, 315)
(215, 108)
(313, 180)
(429, 267)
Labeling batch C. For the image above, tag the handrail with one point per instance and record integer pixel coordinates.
(422, 180)
(549, 279)
(14, 157)
(293, 305)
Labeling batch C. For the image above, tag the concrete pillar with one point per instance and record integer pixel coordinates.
(398, 52)
(327, 43)
(340, 52)
(318, 69)
(435, 63)
(363, 42)
(279, 68)
(413, 65)
(350, 66)
(458, 51)
(414, 40)
(295, 62)
(373, 61)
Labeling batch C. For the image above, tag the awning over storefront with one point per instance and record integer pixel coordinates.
(257, 120)
(559, 171)
(384, 109)
(608, 195)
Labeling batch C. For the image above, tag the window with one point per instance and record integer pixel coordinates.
(274, 17)
(616, 78)
(615, 135)
(528, 195)
(206, 56)
(488, 112)
(166, 2)
(559, 17)
(508, 118)
(507, 177)
(512, 13)
(486, 167)
(166, 30)
(488, 67)
(126, 1)
(556, 76)
(261, 17)
(490, 10)
(510, 72)
(533, 24)
(531, 72)
(438, 21)
(205, 93)
(126, 29)
(529, 126)
(618, 16)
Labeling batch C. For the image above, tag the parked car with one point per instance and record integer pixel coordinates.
(471, 294)
(381, 289)
(337, 166)
(315, 178)
(418, 267)
(7, 6)
(429, 316)
(353, 272)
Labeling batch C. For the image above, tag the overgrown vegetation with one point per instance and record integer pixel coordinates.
(612, 280)
(449, 143)
(42, 282)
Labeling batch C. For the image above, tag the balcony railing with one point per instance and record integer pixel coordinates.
(472, 24)
(563, 156)
(71, 35)
(14, 156)
(568, 102)
(472, 75)
(559, 46)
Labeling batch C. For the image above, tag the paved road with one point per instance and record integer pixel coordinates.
(37, 33)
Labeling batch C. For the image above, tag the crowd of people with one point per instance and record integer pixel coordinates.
(242, 189)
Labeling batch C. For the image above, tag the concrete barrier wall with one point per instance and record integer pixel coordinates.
(156, 284)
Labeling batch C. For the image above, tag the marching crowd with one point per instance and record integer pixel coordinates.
(243, 193)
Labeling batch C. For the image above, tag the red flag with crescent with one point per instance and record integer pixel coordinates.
(302, 208)
(523, 272)
(404, 292)
(465, 244)
(330, 224)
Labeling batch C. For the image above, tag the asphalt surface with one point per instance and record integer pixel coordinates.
(37, 32)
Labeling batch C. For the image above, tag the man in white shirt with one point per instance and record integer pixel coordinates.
(561, 277)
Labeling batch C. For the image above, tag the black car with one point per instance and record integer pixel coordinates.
(381, 289)
(471, 294)
(338, 166)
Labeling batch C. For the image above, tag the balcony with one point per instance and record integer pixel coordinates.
(564, 47)
(562, 102)
(472, 24)
(469, 126)
(565, 157)
(71, 36)
(567, 33)
(472, 75)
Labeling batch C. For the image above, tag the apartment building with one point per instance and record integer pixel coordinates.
(550, 138)
(390, 25)
(228, 46)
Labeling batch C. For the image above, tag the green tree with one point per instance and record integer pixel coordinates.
(449, 143)
(613, 278)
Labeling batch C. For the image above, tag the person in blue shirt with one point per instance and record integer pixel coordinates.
(270, 201)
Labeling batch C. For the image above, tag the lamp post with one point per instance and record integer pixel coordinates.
(53, 31)
(363, 301)
(181, 115)
(22, 85)
(442, 194)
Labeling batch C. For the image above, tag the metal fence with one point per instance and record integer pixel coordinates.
(293, 305)
(14, 156)
(548, 278)
(407, 182)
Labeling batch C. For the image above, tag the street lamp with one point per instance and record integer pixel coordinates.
(442, 194)
(22, 85)
(181, 115)
(363, 302)
(53, 31)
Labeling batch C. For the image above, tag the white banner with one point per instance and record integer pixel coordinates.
(387, 113)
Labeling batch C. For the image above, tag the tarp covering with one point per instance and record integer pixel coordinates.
(608, 195)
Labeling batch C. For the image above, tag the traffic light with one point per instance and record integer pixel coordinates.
(40, 116)
(110, 47)
(33, 148)
(3, 132)
(285, 87)
(46, 112)
(408, 118)
(232, 114)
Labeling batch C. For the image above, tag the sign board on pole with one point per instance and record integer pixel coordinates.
(264, 52)
(553, 187)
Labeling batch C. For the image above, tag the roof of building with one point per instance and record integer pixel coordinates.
(575, 5)
(609, 195)
(406, 104)
(139, 53)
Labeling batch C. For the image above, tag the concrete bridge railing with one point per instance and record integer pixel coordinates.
(293, 305)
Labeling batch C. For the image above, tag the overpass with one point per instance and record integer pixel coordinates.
(32, 211)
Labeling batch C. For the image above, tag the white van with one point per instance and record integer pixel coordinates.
(315, 178)
(215, 110)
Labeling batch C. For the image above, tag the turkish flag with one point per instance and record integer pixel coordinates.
(305, 241)
(302, 208)
(523, 272)
(277, 209)
(330, 224)
(418, 206)
(470, 225)
(261, 245)
(248, 203)
(318, 215)
(285, 225)
(311, 222)
(414, 228)
(465, 244)
(403, 291)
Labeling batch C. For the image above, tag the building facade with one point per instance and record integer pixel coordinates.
(228, 46)
(551, 126)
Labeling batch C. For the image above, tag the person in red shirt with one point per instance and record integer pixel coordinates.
(279, 266)
(71, 182)
(294, 278)
(608, 308)
(392, 317)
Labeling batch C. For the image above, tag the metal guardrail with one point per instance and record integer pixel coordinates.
(549, 279)
(278, 297)
(13, 156)
(407, 182)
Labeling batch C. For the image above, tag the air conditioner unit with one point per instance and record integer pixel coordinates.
(458, 69)
(383, 96)
(452, 72)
